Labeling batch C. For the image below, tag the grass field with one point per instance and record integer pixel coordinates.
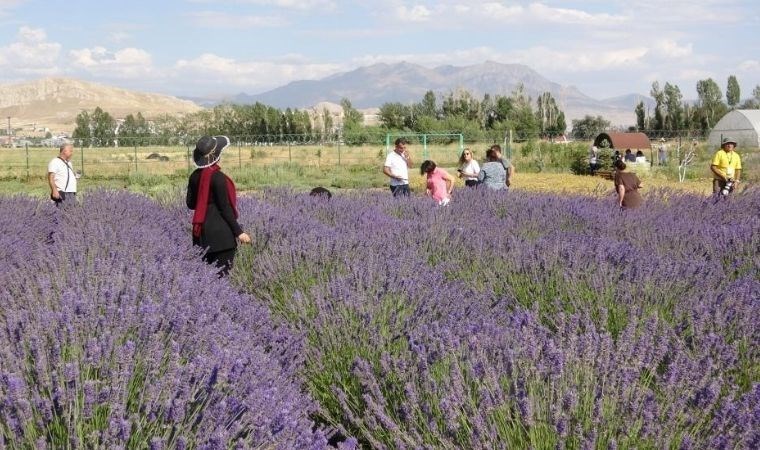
(338, 167)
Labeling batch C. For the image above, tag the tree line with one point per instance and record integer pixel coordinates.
(489, 117)
(672, 114)
(457, 112)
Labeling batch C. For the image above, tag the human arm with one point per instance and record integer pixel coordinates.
(407, 158)
(621, 193)
(53, 189)
(388, 173)
(190, 199)
(510, 172)
(482, 174)
(717, 172)
(449, 182)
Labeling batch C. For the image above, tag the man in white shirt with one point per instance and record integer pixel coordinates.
(62, 178)
(396, 167)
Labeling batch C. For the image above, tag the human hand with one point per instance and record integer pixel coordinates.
(55, 195)
(244, 238)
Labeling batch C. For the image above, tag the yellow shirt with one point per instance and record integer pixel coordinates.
(727, 163)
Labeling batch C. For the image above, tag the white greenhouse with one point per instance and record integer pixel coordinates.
(742, 125)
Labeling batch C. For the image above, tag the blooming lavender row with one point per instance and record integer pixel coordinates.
(520, 320)
(115, 335)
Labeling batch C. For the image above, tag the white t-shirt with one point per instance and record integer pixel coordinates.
(471, 167)
(398, 167)
(62, 170)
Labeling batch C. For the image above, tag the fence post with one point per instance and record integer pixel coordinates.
(240, 160)
(81, 153)
(290, 156)
(189, 168)
(339, 151)
(135, 157)
(26, 147)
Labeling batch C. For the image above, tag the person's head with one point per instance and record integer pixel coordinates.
(400, 145)
(321, 192)
(619, 165)
(497, 148)
(728, 144)
(427, 167)
(208, 150)
(466, 156)
(628, 151)
(66, 150)
(639, 153)
(492, 155)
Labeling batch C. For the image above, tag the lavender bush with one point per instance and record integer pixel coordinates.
(115, 335)
(519, 320)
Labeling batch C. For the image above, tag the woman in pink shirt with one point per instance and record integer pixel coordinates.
(439, 182)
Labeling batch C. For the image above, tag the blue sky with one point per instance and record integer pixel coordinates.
(210, 48)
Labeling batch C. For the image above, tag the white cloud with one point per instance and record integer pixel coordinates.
(750, 65)
(499, 11)
(417, 13)
(669, 48)
(216, 70)
(215, 19)
(125, 63)
(303, 5)
(31, 54)
(543, 13)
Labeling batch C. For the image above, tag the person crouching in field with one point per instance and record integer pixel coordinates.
(212, 195)
(439, 182)
(627, 186)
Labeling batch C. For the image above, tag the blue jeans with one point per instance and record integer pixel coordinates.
(402, 189)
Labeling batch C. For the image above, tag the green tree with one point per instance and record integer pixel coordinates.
(428, 107)
(352, 118)
(710, 102)
(551, 120)
(673, 106)
(659, 97)
(393, 115)
(589, 126)
(640, 116)
(83, 130)
(733, 92)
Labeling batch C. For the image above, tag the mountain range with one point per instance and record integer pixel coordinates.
(371, 86)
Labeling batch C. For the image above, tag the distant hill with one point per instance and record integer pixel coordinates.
(55, 102)
(371, 86)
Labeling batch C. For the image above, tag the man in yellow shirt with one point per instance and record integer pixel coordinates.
(726, 165)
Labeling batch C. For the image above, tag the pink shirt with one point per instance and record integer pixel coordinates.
(437, 184)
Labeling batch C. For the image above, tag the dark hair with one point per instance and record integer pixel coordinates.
(319, 191)
(400, 141)
(619, 164)
(639, 153)
(496, 147)
(491, 155)
(427, 167)
(461, 157)
(627, 151)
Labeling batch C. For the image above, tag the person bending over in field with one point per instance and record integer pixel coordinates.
(396, 167)
(439, 182)
(321, 192)
(212, 195)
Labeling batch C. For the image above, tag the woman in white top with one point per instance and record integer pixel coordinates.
(468, 168)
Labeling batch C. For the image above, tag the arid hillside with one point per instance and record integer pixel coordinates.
(54, 103)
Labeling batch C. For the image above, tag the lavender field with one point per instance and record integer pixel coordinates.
(501, 321)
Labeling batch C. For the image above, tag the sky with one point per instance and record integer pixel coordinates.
(207, 49)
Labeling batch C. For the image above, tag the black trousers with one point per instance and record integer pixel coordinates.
(471, 183)
(221, 259)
